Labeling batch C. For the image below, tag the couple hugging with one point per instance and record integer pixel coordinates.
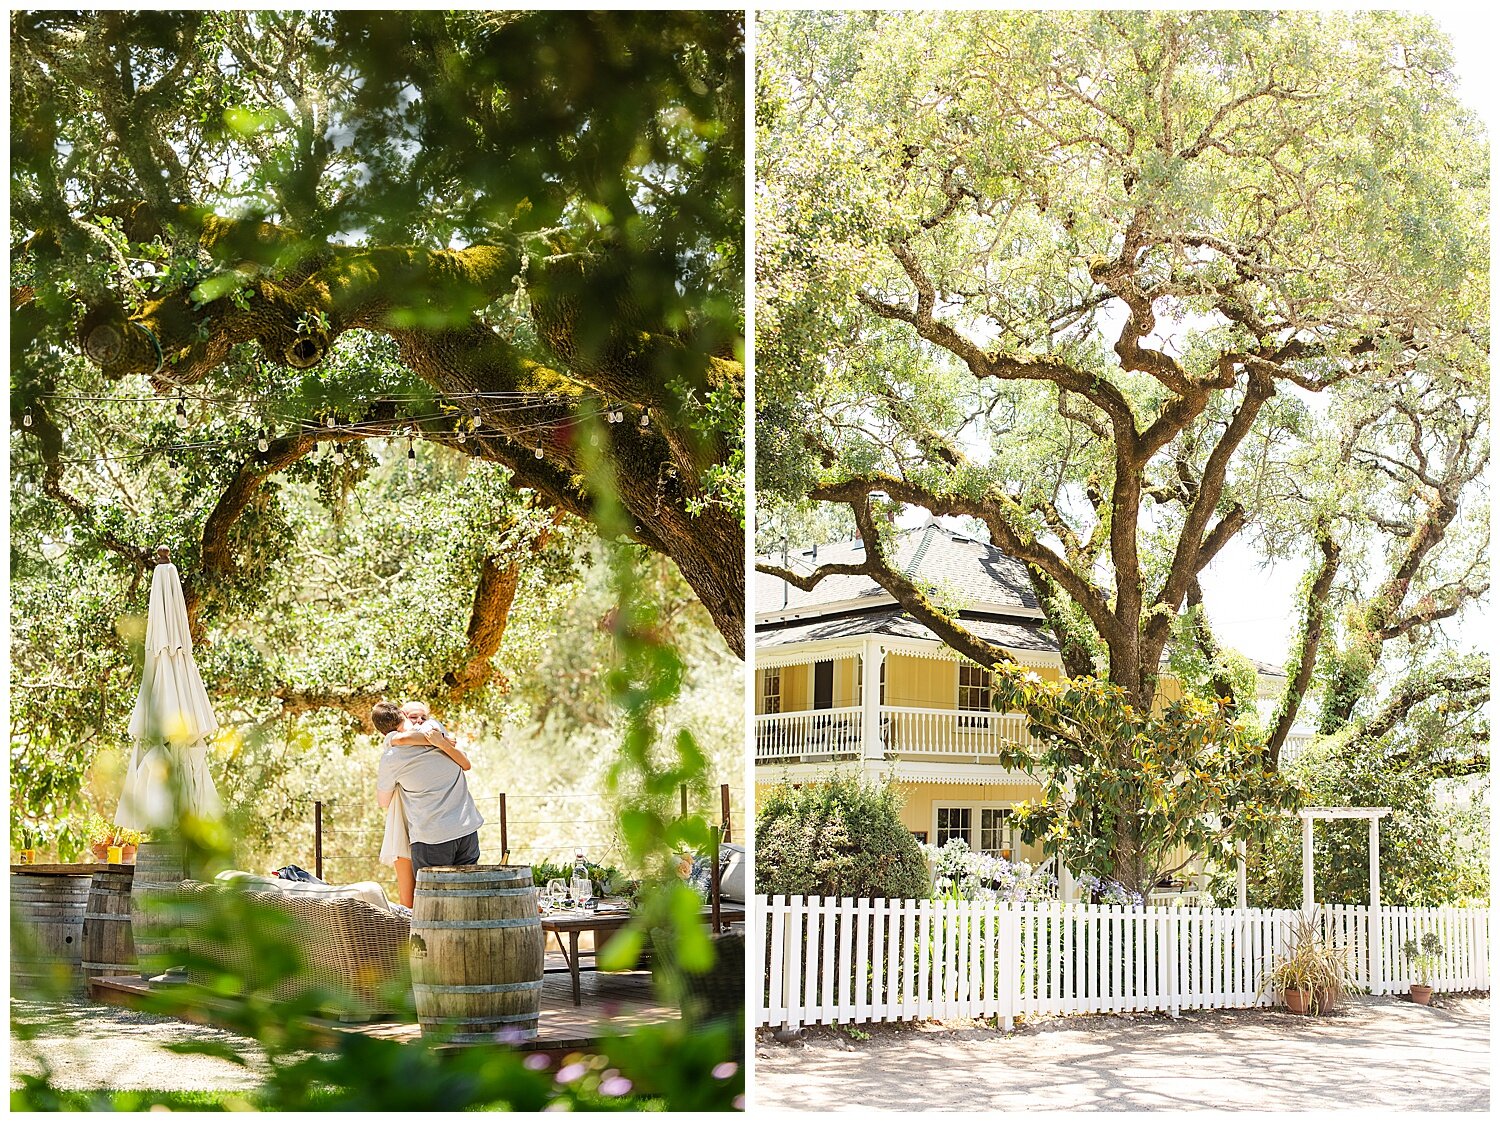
(430, 817)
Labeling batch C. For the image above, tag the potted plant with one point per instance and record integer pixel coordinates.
(26, 838)
(128, 841)
(103, 834)
(1309, 973)
(1425, 957)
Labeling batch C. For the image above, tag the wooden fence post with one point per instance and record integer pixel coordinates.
(724, 811)
(318, 839)
(504, 833)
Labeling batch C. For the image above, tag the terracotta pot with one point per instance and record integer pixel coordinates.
(127, 854)
(1328, 1001)
(1297, 1001)
(1421, 995)
(100, 850)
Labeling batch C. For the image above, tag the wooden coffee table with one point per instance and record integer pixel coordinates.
(603, 924)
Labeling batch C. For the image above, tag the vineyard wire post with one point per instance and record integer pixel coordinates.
(724, 807)
(318, 839)
(504, 833)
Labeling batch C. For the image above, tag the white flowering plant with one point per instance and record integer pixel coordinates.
(960, 873)
(1109, 891)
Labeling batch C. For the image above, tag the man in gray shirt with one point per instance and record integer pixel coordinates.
(441, 818)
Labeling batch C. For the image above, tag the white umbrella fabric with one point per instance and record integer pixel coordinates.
(168, 773)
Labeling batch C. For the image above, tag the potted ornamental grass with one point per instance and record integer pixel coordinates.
(1425, 957)
(1310, 974)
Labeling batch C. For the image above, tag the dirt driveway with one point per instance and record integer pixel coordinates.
(1374, 1053)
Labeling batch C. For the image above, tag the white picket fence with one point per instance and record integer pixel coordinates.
(845, 961)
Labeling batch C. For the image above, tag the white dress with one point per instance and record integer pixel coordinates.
(396, 843)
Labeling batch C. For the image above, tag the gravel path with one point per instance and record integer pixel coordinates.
(1373, 1053)
(91, 1047)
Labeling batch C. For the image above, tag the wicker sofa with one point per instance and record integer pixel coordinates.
(345, 946)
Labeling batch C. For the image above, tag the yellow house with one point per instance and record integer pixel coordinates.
(846, 680)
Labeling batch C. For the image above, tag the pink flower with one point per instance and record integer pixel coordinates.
(537, 1061)
(571, 1072)
(615, 1085)
(725, 1070)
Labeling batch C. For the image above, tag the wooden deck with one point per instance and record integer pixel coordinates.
(612, 1003)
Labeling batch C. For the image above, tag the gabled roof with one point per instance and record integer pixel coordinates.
(975, 572)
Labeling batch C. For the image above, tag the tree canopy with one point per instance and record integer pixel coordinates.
(518, 235)
(1123, 288)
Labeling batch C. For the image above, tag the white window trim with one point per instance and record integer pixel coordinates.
(978, 807)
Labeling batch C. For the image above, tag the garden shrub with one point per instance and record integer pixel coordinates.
(838, 837)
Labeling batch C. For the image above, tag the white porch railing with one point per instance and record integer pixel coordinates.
(817, 732)
(904, 732)
(847, 961)
(950, 732)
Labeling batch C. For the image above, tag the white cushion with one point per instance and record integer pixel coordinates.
(732, 879)
(366, 890)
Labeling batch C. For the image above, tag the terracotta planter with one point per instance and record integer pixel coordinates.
(127, 854)
(1297, 1001)
(1421, 995)
(100, 850)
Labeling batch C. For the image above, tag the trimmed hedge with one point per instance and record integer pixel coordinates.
(840, 837)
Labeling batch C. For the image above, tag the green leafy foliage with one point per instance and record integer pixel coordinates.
(838, 837)
(1135, 796)
(1434, 845)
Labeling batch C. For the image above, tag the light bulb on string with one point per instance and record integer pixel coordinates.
(462, 436)
(263, 439)
(338, 455)
(594, 441)
(411, 448)
(26, 420)
(645, 418)
(182, 417)
(538, 452)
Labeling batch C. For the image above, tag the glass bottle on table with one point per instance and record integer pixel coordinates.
(583, 887)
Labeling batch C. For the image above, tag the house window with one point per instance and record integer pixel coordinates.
(997, 832)
(973, 693)
(954, 822)
(882, 681)
(770, 692)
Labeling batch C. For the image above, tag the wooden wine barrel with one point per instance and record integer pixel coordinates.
(159, 941)
(47, 943)
(108, 946)
(477, 953)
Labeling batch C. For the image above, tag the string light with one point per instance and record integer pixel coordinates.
(411, 448)
(26, 420)
(338, 455)
(462, 436)
(182, 417)
(538, 452)
(645, 418)
(263, 441)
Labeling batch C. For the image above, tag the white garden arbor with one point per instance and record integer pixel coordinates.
(1308, 814)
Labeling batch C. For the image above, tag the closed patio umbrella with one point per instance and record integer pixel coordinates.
(168, 773)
